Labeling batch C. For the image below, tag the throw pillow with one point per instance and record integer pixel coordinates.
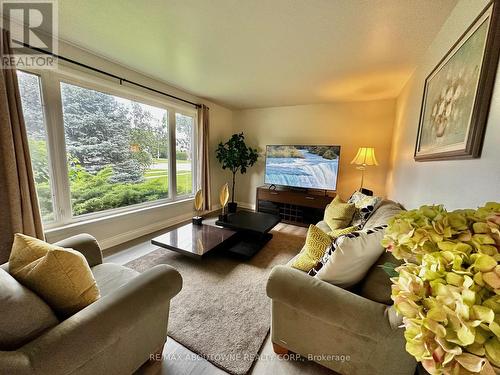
(62, 277)
(335, 235)
(316, 244)
(365, 205)
(352, 257)
(340, 232)
(25, 316)
(328, 253)
(338, 214)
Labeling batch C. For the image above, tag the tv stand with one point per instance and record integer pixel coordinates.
(299, 207)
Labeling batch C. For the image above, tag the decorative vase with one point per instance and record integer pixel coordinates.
(223, 217)
(231, 207)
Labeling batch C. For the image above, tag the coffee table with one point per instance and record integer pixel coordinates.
(253, 231)
(195, 240)
(243, 234)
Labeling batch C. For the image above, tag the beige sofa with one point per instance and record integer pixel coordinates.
(351, 332)
(114, 335)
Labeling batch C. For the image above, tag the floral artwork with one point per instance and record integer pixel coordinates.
(451, 95)
(448, 288)
(449, 109)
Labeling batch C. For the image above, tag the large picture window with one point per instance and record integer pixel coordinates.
(119, 151)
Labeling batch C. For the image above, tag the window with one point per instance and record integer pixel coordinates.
(184, 131)
(107, 147)
(117, 150)
(31, 101)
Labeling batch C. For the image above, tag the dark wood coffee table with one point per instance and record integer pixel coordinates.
(195, 240)
(253, 231)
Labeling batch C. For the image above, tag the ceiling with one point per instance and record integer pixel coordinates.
(262, 53)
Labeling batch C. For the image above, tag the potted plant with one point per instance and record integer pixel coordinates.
(448, 288)
(235, 156)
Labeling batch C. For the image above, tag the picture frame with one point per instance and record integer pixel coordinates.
(457, 93)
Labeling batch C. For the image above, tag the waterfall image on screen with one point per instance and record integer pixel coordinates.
(313, 167)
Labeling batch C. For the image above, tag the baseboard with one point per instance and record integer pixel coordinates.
(147, 229)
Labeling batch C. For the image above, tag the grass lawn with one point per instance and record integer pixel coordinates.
(163, 160)
(184, 182)
(184, 178)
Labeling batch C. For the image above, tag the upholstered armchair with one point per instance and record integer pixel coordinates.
(114, 335)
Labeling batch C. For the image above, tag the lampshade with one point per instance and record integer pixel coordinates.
(365, 156)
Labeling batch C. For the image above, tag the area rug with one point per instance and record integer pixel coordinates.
(222, 312)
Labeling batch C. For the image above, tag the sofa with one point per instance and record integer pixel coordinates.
(114, 335)
(353, 332)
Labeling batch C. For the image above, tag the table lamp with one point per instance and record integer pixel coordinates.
(364, 157)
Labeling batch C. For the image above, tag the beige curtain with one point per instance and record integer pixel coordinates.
(203, 155)
(19, 211)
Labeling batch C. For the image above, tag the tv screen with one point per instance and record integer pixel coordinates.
(302, 166)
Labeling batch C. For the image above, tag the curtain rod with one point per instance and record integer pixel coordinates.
(106, 73)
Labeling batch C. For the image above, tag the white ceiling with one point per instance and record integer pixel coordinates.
(258, 53)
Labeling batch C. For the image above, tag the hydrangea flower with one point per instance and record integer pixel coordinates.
(448, 288)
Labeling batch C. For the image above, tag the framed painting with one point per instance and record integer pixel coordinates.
(457, 93)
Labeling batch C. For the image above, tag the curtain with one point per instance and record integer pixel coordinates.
(204, 155)
(19, 211)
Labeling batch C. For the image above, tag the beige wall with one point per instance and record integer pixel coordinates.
(111, 231)
(457, 183)
(348, 124)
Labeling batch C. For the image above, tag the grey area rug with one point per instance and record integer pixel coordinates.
(222, 312)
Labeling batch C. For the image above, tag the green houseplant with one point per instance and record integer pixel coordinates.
(448, 288)
(236, 156)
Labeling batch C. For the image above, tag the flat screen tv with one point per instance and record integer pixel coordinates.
(302, 166)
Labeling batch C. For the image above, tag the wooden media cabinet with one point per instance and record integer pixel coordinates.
(299, 207)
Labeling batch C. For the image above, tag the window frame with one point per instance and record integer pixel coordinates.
(50, 82)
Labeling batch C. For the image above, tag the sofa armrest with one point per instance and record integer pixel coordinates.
(84, 335)
(85, 244)
(327, 302)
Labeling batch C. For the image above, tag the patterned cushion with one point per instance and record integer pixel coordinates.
(338, 214)
(356, 255)
(329, 252)
(317, 242)
(365, 206)
(340, 232)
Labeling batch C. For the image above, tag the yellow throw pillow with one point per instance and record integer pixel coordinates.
(340, 232)
(317, 242)
(62, 277)
(338, 214)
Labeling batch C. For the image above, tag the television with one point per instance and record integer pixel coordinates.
(302, 166)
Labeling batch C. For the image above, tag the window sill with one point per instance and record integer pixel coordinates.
(104, 217)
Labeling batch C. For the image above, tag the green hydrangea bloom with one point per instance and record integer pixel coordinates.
(448, 288)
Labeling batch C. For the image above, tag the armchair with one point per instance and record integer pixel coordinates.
(114, 335)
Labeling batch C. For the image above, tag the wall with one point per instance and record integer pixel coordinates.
(113, 230)
(456, 183)
(348, 124)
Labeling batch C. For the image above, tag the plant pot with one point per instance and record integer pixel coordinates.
(231, 207)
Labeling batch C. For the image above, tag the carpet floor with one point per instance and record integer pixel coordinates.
(222, 312)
